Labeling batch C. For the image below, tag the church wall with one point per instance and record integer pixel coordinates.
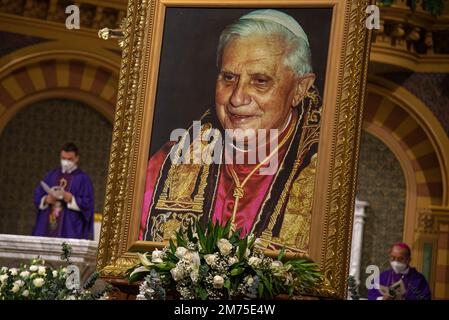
(430, 88)
(381, 183)
(30, 146)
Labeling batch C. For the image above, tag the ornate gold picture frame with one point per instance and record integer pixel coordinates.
(343, 98)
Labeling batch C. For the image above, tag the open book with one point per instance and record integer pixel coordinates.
(396, 290)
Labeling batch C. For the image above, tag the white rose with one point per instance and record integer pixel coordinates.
(19, 283)
(38, 282)
(24, 274)
(55, 274)
(25, 293)
(180, 252)
(192, 257)
(232, 260)
(210, 259)
(3, 278)
(218, 282)
(177, 273)
(13, 271)
(34, 268)
(15, 288)
(156, 256)
(4, 269)
(41, 271)
(224, 246)
(254, 261)
(276, 265)
(194, 275)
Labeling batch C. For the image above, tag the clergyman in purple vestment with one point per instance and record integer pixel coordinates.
(414, 284)
(71, 215)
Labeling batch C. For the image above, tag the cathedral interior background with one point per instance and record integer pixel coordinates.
(49, 74)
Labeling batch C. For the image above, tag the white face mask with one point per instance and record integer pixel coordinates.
(398, 267)
(67, 165)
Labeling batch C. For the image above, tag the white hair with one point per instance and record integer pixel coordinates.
(271, 22)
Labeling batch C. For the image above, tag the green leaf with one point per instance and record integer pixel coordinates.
(137, 274)
(260, 289)
(235, 236)
(281, 254)
(201, 236)
(237, 271)
(217, 227)
(242, 248)
(171, 256)
(189, 232)
(201, 293)
(226, 229)
(172, 247)
(180, 241)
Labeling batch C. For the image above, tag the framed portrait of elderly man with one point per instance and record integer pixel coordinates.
(239, 112)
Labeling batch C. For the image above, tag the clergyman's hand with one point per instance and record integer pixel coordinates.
(68, 197)
(49, 199)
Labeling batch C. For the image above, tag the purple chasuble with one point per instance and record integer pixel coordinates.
(416, 287)
(60, 221)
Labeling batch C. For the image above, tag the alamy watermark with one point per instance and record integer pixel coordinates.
(238, 146)
(73, 20)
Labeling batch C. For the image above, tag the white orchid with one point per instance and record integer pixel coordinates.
(156, 256)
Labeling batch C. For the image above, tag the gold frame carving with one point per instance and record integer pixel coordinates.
(334, 196)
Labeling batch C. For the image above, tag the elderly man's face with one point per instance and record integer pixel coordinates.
(254, 89)
(399, 254)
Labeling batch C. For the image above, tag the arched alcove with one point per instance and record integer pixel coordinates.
(381, 182)
(30, 144)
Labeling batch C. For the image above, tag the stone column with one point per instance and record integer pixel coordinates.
(357, 238)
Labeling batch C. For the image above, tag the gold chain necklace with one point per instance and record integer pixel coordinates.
(238, 189)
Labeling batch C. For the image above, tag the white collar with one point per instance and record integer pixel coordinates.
(283, 129)
(71, 170)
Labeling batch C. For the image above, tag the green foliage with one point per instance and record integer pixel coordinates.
(39, 281)
(213, 263)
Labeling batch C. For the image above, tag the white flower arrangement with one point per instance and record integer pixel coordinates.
(40, 282)
(214, 264)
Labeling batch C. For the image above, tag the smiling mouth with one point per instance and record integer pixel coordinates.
(239, 117)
